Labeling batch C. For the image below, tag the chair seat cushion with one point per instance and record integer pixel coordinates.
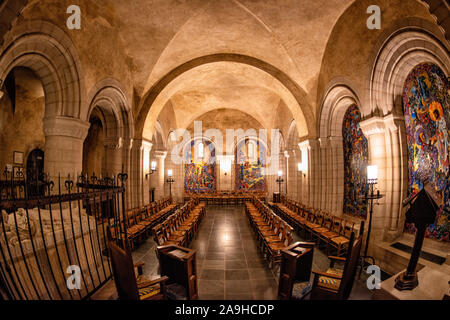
(340, 240)
(148, 292)
(300, 290)
(176, 291)
(330, 283)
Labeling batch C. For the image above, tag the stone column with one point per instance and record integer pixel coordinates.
(308, 148)
(374, 129)
(285, 169)
(126, 168)
(64, 139)
(157, 178)
(146, 149)
(136, 174)
(293, 175)
(113, 156)
(336, 181)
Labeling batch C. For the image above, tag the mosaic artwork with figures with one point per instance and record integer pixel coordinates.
(356, 156)
(250, 166)
(200, 173)
(427, 119)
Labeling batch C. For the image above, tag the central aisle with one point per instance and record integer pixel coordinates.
(229, 263)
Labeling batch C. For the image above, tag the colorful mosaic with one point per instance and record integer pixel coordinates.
(427, 117)
(200, 172)
(356, 157)
(250, 166)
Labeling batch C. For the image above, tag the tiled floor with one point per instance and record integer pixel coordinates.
(229, 263)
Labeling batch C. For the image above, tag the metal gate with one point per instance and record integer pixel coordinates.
(54, 247)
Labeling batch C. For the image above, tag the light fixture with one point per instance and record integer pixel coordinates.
(279, 181)
(170, 181)
(152, 169)
(280, 173)
(372, 174)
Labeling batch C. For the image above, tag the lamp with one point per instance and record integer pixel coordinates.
(279, 180)
(170, 181)
(372, 179)
(152, 169)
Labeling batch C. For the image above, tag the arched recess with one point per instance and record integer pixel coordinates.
(400, 51)
(328, 184)
(109, 102)
(50, 54)
(150, 106)
(199, 165)
(251, 164)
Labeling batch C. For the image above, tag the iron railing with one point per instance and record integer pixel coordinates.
(50, 239)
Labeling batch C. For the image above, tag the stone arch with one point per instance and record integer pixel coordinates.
(337, 99)
(49, 52)
(399, 52)
(303, 115)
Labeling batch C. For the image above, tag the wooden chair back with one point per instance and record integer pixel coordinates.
(123, 270)
(351, 264)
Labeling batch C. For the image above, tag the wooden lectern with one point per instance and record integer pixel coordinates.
(179, 264)
(296, 264)
(422, 212)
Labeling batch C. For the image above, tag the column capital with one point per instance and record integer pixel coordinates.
(394, 122)
(161, 154)
(113, 143)
(286, 154)
(141, 144)
(373, 125)
(66, 127)
(308, 144)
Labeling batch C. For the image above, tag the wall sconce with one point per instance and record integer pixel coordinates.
(152, 169)
(301, 168)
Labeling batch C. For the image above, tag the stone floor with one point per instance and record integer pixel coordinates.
(229, 263)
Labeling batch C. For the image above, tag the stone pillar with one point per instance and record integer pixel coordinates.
(126, 168)
(308, 149)
(157, 178)
(285, 169)
(293, 175)
(140, 148)
(336, 181)
(146, 149)
(323, 173)
(393, 124)
(64, 139)
(113, 156)
(374, 129)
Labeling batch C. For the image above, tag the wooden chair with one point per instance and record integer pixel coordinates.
(335, 284)
(128, 287)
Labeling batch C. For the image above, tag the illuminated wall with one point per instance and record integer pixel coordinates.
(250, 166)
(427, 119)
(356, 157)
(200, 170)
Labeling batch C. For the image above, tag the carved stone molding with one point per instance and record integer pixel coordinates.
(66, 127)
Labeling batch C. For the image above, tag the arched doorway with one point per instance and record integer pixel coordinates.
(94, 149)
(35, 171)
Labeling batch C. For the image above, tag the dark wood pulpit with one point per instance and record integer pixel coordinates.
(422, 211)
(179, 264)
(296, 264)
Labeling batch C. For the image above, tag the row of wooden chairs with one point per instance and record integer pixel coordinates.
(227, 197)
(140, 221)
(325, 229)
(181, 227)
(273, 233)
